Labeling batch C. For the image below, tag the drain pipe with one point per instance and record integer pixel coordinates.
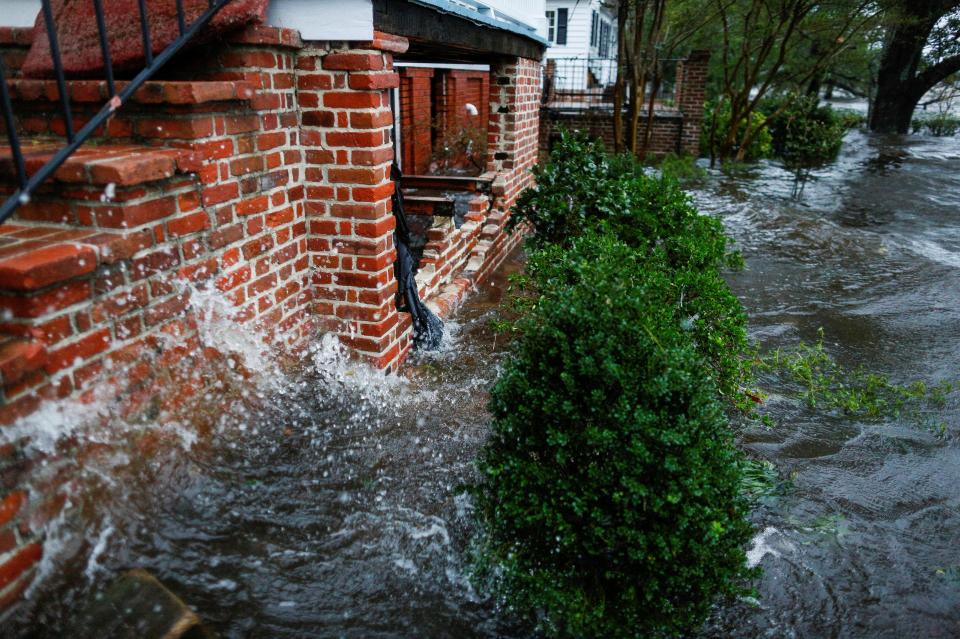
(427, 327)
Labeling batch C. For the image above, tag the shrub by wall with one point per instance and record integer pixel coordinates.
(610, 494)
(582, 190)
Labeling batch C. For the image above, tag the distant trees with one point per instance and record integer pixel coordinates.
(640, 37)
(784, 45)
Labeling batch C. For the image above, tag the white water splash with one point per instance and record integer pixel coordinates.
(93, 563)
(760, 547)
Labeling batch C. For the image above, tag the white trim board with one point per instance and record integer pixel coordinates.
(336, 20)
(441, 65)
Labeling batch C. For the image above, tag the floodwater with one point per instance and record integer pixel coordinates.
(325, 502)
(865, 539)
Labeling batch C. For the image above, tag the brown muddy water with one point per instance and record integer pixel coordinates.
(324, 503)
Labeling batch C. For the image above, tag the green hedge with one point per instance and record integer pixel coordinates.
(610, 489)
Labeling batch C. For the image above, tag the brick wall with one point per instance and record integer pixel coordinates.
(258, 166)
(674, 130)
(433, 111)
(347, 123)
(690, 97)
(416, 119)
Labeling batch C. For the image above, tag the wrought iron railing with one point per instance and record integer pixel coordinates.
(26, 185)
(588, 82)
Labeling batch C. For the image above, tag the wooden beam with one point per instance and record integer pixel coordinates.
(439, 36)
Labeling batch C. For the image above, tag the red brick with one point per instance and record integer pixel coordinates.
(153, 263)
(252, 205)
(220, 193)
(375, 229)
(226, 235)
(84, 348)
(187, 129)
(257, 246)
(45, 266)
(352, 61)
(371, 119)
(187, 224)
(251, 164)
(21, 562)
(368, 81)
(266, 141)
(319, 118)
(234, 279)
(10, 506)
(46, 302)
(353, 100)
(277, 218)
(371, 138)
(166, 309)
(120, 304)
(263, 284)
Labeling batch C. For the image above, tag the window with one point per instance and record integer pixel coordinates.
(594, 28)
(604, 39)
(561, 26)
(551, 25)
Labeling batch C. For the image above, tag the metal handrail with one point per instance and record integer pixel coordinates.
(27, 185)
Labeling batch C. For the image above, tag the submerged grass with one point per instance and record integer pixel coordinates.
(820, 382)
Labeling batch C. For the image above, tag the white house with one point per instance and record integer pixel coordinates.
(583, 42)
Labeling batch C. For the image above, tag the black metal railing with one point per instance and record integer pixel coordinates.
(588, 82)
(26, 185)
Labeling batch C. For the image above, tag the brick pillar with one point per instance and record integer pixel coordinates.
(347, 121)
(416, 118)
(690, 96)
(512, 149)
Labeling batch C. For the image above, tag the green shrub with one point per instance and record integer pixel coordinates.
(610, 488)
(573, 189)
(715, 132)
(806, 135)
(850, 118)
(582, 189)
(940, 125)
(693, 294)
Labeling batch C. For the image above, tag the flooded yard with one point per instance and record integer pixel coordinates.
(325, 502)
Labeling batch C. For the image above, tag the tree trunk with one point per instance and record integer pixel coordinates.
(892, 110)
(899, 85)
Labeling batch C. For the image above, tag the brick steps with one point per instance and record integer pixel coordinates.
(170, 92)
(37, 257)
(100, 165)
(159, 112)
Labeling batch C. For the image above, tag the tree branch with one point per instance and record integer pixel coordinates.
(937, 73)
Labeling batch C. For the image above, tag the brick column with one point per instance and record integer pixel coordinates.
(347, 121)
(512, 149)
(690, 95)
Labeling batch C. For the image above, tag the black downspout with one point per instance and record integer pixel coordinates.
(427, 327)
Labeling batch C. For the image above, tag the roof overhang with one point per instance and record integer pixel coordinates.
(444, 30)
